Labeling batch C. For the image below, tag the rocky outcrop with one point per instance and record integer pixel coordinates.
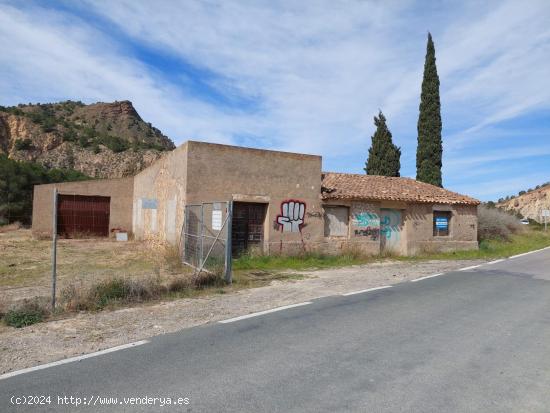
(529, 204)
(103, 140)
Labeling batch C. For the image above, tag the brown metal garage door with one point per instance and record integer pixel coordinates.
(247, 229)
(83, 215)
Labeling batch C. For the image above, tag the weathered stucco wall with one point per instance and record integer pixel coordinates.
(220, 173)
(159, 197)
(419, 227)
(415, 232)
(119, 190)
(363, 229)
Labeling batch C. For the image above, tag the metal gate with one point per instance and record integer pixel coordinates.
(83, 215)
(247, 230)
(206, 237)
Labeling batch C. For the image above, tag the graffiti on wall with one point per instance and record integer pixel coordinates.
(371, 232)
(291, 218)
(390, 225)
(367, 224)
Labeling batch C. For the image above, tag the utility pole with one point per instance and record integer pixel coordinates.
(54, 247)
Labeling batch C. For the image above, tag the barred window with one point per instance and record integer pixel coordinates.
(442, 223)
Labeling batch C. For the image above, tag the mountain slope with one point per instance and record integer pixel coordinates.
(530, 203)
(102, 140)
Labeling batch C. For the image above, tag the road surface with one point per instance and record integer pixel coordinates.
(468, 341)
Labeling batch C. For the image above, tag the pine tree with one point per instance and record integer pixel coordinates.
(384, 156)
(430, 147)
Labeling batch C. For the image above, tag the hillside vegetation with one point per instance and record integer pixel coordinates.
(528, 203)
(104, 140)
(17, 179)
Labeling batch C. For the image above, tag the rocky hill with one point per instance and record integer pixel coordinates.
(103, 140)
(530, 203)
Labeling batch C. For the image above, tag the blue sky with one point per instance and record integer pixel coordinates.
(303, 76)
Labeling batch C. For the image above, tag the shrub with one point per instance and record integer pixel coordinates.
(9, 227)
(179, 284)
(28, 312)
(111, 291)
(206, 279)
(494, 223)
(23, 144)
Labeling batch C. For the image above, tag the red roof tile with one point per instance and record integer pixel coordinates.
(374, 187)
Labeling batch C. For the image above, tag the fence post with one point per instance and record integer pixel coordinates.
(54, 247)
(183, 235)
(228, 257)
(201, 236)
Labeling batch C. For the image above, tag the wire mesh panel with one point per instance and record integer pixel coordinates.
(207, 237)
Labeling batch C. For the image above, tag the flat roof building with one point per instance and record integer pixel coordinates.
(282, 203)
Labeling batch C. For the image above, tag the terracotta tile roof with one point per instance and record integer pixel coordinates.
(356, 186)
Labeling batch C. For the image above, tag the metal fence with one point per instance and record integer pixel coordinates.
(206, 237)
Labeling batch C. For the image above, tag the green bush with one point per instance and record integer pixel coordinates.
(24, 314)
(17, 180)
(111, 290)
(23, 144)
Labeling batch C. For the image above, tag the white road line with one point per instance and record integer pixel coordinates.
(495, 261)
(367, 290)
(427, 276)
(469, 268)
(273, 310)
(527, 253)
(71, 359)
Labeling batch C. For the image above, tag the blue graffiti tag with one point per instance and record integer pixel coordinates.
(365, 219)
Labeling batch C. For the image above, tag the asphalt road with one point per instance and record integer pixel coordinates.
(470, 341)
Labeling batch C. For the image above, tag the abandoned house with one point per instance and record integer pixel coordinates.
(280, 203)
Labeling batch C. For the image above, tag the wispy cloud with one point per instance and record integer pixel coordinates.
(291, 75)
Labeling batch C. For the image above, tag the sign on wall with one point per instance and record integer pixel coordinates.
(217, 216)
(442, 223)
(147, 203)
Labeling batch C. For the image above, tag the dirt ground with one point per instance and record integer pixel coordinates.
(25, 263)
(89, 332)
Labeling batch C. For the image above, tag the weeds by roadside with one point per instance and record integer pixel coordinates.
(299, 262)
(495, 248)
(27, 312)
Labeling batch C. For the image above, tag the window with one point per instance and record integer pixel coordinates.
(336, 221)
(442, 223)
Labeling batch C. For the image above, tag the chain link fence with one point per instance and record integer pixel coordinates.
(206, 237)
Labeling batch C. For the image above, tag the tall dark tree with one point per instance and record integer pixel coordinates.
(384, 156)
(430, 147)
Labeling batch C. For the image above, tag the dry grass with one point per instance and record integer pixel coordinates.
(494, 223)
(94, 274)
(25, 263)
(10, 228)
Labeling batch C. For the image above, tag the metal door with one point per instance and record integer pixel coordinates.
(390, 230)
(83, 215)
(247, 230)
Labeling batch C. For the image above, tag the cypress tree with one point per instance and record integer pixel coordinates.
(384, 156)
(430, 147)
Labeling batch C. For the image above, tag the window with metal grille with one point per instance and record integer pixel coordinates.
(442, 223)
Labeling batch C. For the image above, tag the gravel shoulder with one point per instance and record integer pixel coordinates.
(89, 332)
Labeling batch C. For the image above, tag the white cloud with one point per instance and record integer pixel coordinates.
(54, 58)
(319, 70)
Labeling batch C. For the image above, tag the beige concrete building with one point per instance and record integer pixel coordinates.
(97, 206)
(282, 203)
